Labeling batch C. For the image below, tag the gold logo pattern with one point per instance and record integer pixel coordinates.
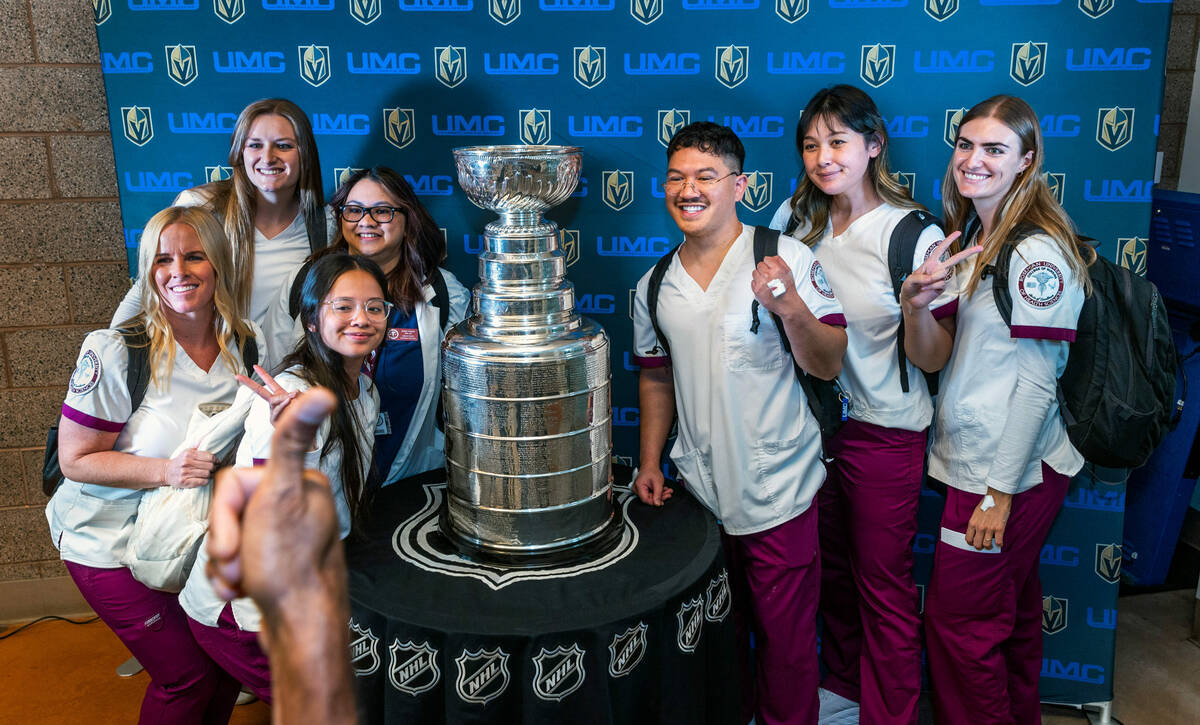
(733, 64)
(138, 126)
(399, 126)
(1114, 127)
(230, 11)
(878, 64)
(590, 65)
(314, 63)
(535, 125)
(181, 63)
(618, 189)
(450, 63)
(365, 11)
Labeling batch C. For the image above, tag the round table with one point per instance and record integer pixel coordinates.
(643, 635)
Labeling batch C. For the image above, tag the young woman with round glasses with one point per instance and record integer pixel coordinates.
(344, 316)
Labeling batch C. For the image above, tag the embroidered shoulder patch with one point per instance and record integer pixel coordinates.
(1040, 284)
(86, 375)
(816, 274)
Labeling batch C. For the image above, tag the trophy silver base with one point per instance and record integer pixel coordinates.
(592, 545)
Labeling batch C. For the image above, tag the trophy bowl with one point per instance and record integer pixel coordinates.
(517, 178)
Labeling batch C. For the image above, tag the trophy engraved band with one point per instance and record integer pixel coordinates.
(526, 380)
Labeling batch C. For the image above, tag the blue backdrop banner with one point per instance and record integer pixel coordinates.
(402, 82)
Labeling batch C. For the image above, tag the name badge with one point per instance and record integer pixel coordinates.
(383, 427)
(403, 334)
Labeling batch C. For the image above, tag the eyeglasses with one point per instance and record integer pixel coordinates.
(344, 308)
(381, 214)
(675, 186)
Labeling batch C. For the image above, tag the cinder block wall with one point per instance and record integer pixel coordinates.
(1181, 70)
(62, 265)
(62, 261)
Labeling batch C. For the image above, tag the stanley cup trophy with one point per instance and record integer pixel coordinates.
(525, 380)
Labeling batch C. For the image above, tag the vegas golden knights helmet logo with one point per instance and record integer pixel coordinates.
(181, 63)
(137, 124)
(669, 123)
(1133, 254)
(450, 64)
(733, 64)
(101, 11)
(1054, 614)
(907, 180)
(877, 64)
(568, 239)
(646, 11)
(758, 190)
(590, 65)
(504, 11)
(1057, 184)
(342, 173)
(954, 117)
(365, 11)
(1114, 127)
(618, 189)
(399, 126)
(217, 173)
(534, 125)
(791, 10)
(940, 10)
(1095, 8)
(229, 10)
(1028, 62)
(314, 63)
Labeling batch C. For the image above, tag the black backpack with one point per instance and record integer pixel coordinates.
(829, 403)
(1117, 393)
(902, 248)
(137, 379)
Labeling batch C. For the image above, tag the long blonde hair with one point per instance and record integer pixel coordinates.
(233, 199)
(228, 325)
(1027, 203)
(855, 110)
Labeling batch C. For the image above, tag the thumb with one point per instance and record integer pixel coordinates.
(295, 432)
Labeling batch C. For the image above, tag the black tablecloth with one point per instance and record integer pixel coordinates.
(648, 638)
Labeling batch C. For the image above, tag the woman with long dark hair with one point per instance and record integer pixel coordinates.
(381, 218)
(272, 207)
(999, 442)
(848, 208)
(344, 315)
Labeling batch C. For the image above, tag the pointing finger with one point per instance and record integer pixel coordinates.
(295, 432)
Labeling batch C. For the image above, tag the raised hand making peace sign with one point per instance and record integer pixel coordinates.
(930, 279)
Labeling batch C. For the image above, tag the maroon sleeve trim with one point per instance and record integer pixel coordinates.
(1033, 332)
(651, 362)
(946, 310)
(838, 320)
(91, 421)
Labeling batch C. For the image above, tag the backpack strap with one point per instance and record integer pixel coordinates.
(137, 373)
(902, 248)
(249, 354)
(298, 288)
(441, 297)
(766, 244)
(655, 282)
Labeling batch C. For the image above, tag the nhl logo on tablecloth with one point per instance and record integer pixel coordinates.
(364, 650)
(413, 667)
(482, 675)
(626, 650)
(690, 617)
(716, 598)
(558, 672)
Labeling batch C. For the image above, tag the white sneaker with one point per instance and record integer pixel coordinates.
(835, 709)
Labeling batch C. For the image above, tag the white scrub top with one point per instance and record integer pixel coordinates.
(748, 447)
